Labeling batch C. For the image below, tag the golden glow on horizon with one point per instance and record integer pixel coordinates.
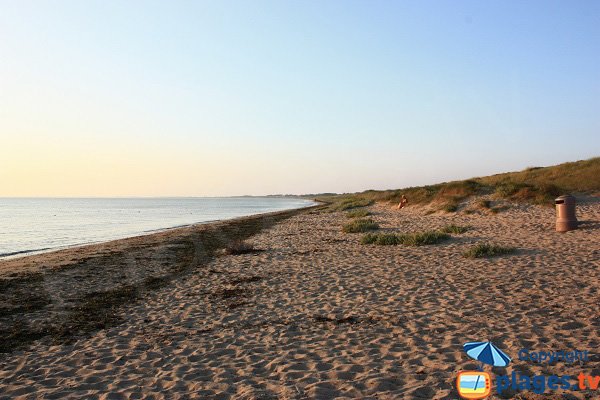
(71, 165)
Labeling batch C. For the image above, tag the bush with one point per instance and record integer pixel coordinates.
(358, 214)
(488, 250)
(450, 207)
(423, 238)
(508, 188)
(454, 229)
(542, 193)
(360, 225)
(413, 239)
(350, 203)
(382, 239)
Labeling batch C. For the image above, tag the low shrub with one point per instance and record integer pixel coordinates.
(350, 203)
(542, 193)
(412, 239)
(382, 239)
(360, 225)
(358, 214)
(450, 207)
(508, 188)
(423, 238)
(456, 229)
(488, 250)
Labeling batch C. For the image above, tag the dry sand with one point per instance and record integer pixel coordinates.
(319, 315)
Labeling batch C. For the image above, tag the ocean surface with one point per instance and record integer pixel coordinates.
(30, 225)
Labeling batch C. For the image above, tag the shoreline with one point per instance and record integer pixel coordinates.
(60, 295)
(28, 253)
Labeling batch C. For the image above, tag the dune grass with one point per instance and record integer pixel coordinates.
(410, 239)
(449, 194)
(349, 203)
(482, 250)
(360, 213)
(360, 225)
(450, 207)
(423, 238)
(531, 193)
(455, 229)
(537, 185)
(580, 176)
(382, 239)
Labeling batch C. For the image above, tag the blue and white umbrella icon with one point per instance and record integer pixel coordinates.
(487, 353)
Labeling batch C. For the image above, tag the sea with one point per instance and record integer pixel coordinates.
(32, 225)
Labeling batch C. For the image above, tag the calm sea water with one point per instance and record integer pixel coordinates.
(37, 224)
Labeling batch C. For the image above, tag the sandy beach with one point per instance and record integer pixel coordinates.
(312, 313)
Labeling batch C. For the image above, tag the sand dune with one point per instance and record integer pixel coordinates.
(318, 315)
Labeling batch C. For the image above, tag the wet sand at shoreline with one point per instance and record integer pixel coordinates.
(317, 314)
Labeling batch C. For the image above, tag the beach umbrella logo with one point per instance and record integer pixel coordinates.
(478, 384)
(487, 353)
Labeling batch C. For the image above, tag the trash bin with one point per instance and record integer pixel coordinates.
(565, 214)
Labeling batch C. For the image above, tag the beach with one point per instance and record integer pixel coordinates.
(307, 312)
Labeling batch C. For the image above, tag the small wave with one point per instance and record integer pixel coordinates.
(14, 253)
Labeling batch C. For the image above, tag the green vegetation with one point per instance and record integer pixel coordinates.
(348, 203)
(447, 194)
(423, 238)
(580, 176)
(412, 239)
(450, 207)
(538, 185)
(383, 239)
(537, 194)
(456, 229)
(358, 213)
(488, 250)
(360, 225)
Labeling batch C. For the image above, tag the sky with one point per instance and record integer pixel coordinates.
(219, 98)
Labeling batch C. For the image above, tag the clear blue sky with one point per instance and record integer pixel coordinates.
(256, 97)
